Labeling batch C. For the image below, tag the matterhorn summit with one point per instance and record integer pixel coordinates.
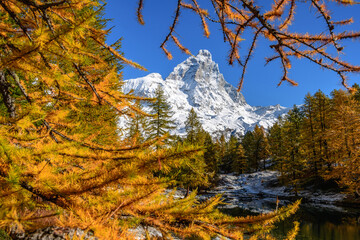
(197, 83)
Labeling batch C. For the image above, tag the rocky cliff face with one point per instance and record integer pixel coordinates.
(197, 83)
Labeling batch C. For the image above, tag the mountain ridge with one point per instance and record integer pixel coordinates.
(198, 83)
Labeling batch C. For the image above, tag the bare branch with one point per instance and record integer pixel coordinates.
(139, 14)
(22, 89)
(9, 101)
(235, 17)
(248, 57)
(172, 28)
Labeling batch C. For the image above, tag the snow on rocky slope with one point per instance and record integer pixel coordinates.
(258, 192)
(197, 83)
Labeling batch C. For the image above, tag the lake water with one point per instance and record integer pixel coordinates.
(317, 223)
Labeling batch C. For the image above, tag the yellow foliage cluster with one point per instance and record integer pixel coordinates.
(320, 141)
(61, 159)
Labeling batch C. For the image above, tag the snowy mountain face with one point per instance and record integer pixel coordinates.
(197, 83)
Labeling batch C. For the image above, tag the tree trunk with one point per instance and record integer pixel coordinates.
(264, 161)
(5, 93)
(187, 191)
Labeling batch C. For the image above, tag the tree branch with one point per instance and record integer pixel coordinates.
(9, 101)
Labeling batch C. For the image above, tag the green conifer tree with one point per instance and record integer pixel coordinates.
(221, 148)
(191, 174)
(231, 154)
(356, 90)
(161, 124)
(194, 132)
(294, 163)
(211, 158)
(248, 145)
(261, 147)
(256, 148)
(239, 165)
(277, 145)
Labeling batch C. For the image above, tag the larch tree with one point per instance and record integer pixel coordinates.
(310, 134)
(322, 120)
(248, 145)
(192, 174)
(261, 146)
(256, 147)
(343, 138)
(294, 163)
(211, 157)
(221, 146)
(356, 87)
(277, 146)
(230, 154)
(61, 161)
(240, 164)
(320, 142)
(194, 132)
(60, 86)
(316, 120)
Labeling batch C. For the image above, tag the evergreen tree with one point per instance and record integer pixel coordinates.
(294, 163)
(256, 147)
(192, 173)
(248, 145)
(356, 92)
(311, 132)
(277, 145)
(261, 147)
(231, 154)
(221, 146)
(239, 165)
(211, 157)
(161, 124)
(195, 132)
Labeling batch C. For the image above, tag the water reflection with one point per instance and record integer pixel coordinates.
(317, 223)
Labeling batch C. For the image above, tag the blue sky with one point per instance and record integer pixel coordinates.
(141, 44)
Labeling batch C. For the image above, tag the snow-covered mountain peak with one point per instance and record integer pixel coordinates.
(200, 77)
(197, 83)
(204, 54)
(194, 67)
(154, 75)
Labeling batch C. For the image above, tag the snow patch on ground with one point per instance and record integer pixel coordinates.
(252, 192)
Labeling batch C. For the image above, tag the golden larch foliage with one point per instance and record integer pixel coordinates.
(62, 161)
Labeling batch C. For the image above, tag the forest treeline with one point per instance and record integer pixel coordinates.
(319, 140)
(316, 141)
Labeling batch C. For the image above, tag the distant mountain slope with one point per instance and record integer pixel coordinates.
(197, 83)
